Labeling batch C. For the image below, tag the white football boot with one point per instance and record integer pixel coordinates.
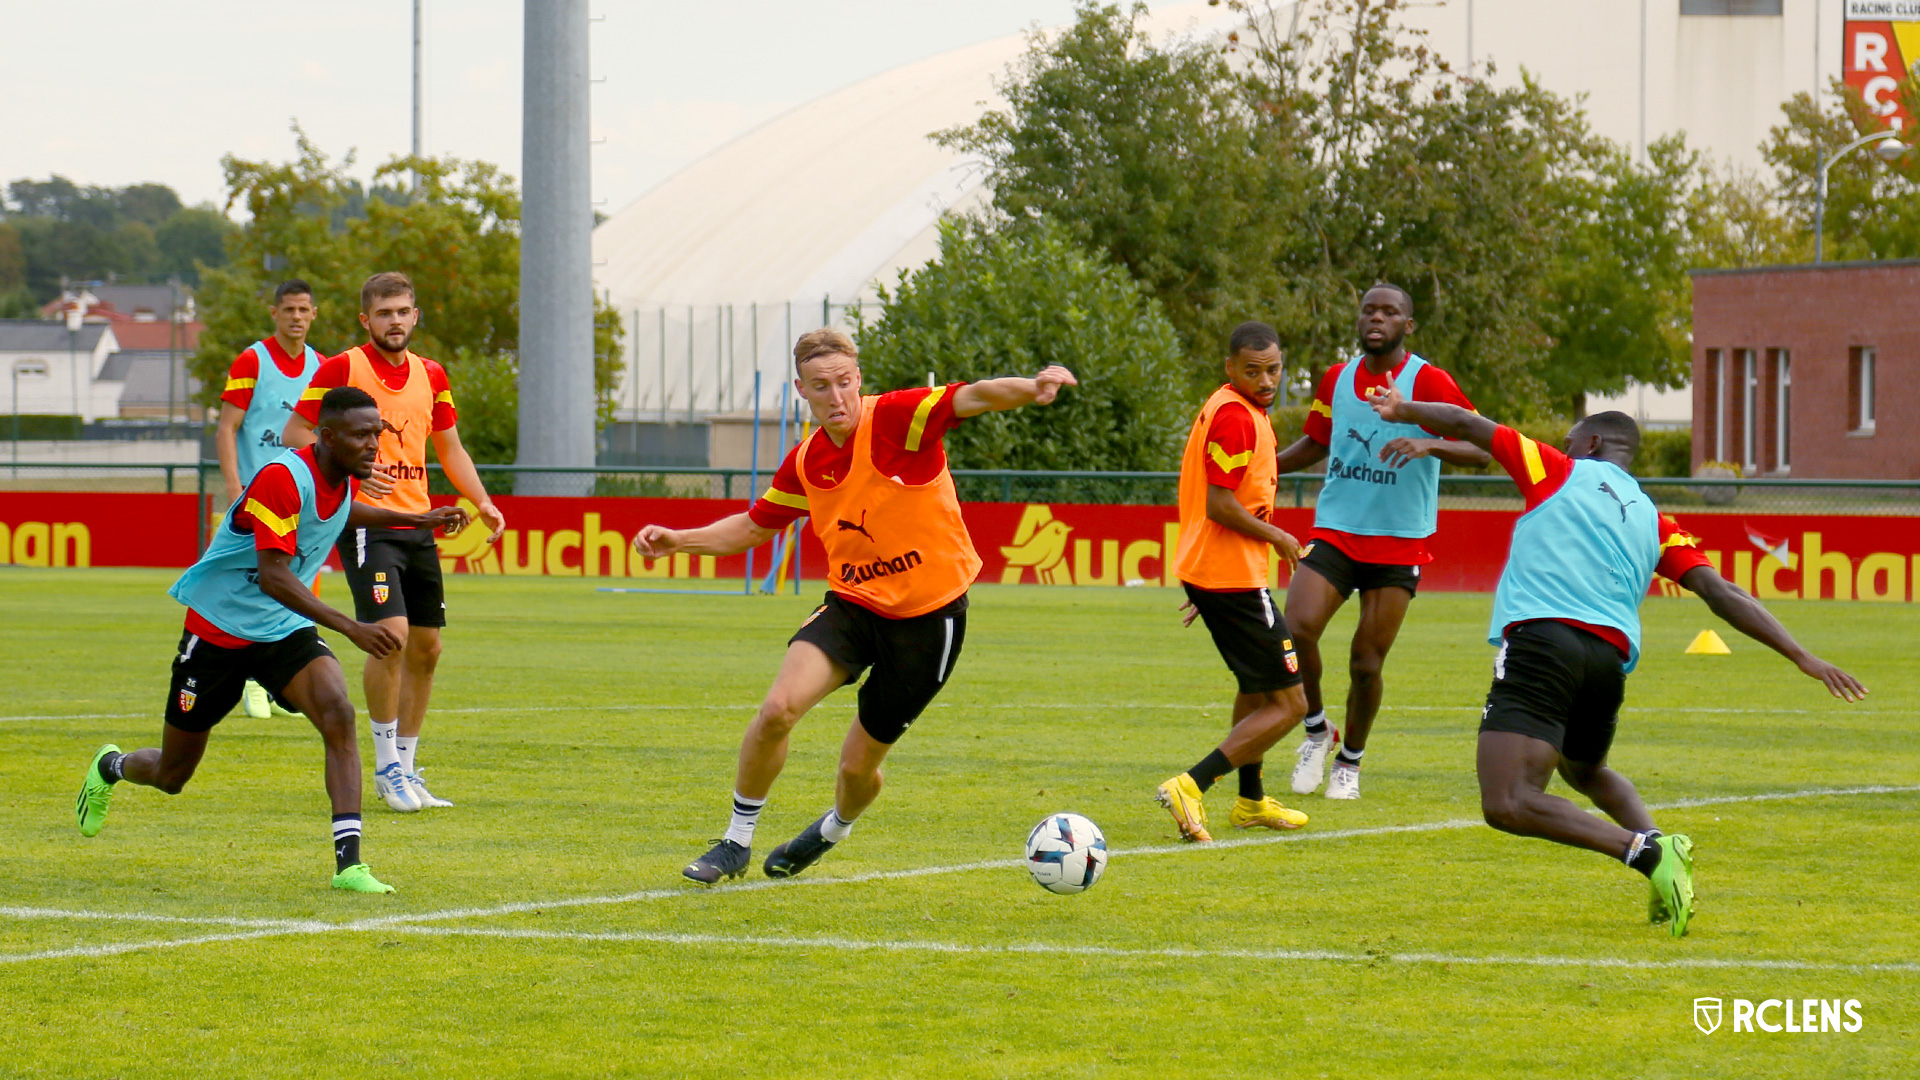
(1312, 767)
(1344, 781)
(420, 793)
(392, 785)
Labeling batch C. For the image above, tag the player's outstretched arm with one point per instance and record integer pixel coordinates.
(278, 580)
(366, 516)
(1224, 509)
(1452, 451)
(1303, 453)
(466, 479)
(728, 536)
(999, 395)
(1738, 609)
(1447, 421)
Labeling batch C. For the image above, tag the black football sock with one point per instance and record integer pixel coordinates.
(1316, 724)
(346, 841)
(1250, 786)
(1211, 768)
(110, 767)
(1643, 854)
(1349, 756)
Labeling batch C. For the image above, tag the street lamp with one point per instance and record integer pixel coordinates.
(1889, 149)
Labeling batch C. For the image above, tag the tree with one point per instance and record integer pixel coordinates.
(191, 238)
(1872, 207)
(457, 237)
(138, 233)
(1011, 301)
(1280, 177)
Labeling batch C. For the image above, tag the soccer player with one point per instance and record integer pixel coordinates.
(263, 384)
(1566, 617)
(874, 480)
(250, 616)
(1227, 478)
(394, 571)
(1370, 525)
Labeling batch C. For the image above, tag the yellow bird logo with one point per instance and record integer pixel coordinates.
(1039, 543)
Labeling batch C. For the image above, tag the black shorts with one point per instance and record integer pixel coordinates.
(1558, 684)
(208, 680)
(1345, 573)
(394, 573)
(1251, 635)
(910, 658)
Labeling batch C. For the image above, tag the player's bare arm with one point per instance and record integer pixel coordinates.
(1454, 452)
(366, 516)
(1447, 421)
(466, 479)
(278, 580)
(1738, 609)
(1302, 454)
(999, 395)
(1223, 509)
(226, 447)
(728, 536)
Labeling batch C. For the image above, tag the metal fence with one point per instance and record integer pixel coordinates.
(1890, 498)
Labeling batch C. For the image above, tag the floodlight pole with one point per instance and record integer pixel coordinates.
(1825, 162)
(556, 252)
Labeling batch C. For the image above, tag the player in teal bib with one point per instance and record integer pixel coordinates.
(254, 405)
(1567, 620)
(251, 616)
(1379, 503)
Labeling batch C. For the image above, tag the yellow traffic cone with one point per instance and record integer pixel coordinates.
(1708, 643)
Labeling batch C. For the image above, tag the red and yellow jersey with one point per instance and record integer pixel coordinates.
(1210, 555)
(245, 372)
(1429, 384)
(884, 508)
(908, 426)
(415, 401)
(1539, 471)
(270, 510)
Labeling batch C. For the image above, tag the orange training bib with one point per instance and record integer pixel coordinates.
(1212, 556)
(900, 549)
(406, 419)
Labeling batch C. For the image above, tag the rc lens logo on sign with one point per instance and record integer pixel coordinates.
(1805, 1016)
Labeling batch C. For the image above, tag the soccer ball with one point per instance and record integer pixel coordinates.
(1066, 853)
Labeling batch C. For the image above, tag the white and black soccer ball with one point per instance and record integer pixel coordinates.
(1066, 853)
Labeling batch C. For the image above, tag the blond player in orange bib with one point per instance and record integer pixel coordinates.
(394, 574)
(874, 480)
(1227, 478)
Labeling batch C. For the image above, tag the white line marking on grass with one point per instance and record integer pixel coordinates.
(116, 948)
(1171, 952)
(191, 920)
(1296, 837)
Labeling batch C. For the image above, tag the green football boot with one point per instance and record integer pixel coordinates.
(90, 810)
(359, 878)
(1672, 885)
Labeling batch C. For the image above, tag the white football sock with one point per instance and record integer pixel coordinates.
(385, 735)
(833, 828)
(746, 814)
(405, 746)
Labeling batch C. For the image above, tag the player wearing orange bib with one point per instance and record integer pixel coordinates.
(395, 573)
(1227, 478)
(874, 480)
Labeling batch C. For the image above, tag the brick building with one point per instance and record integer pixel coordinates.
(1809, 371)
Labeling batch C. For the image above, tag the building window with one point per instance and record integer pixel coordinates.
(1749, 410)
(1782, 410)
(1716, 407)
(1730, 7)
(1860, 378)
(30, 368)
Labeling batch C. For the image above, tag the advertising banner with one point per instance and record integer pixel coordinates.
(1881, 43)
(1092, 546)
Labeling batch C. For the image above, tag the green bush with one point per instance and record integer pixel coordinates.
(39, 426)
(1012, 301)
(1665, 453)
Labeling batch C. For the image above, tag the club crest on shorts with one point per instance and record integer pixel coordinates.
(187, 698)
(380, 594)
(1293, 663)
(1306, 551)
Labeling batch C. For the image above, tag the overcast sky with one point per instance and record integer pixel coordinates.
(116, 92)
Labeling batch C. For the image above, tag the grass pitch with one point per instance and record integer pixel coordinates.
(542, 927)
